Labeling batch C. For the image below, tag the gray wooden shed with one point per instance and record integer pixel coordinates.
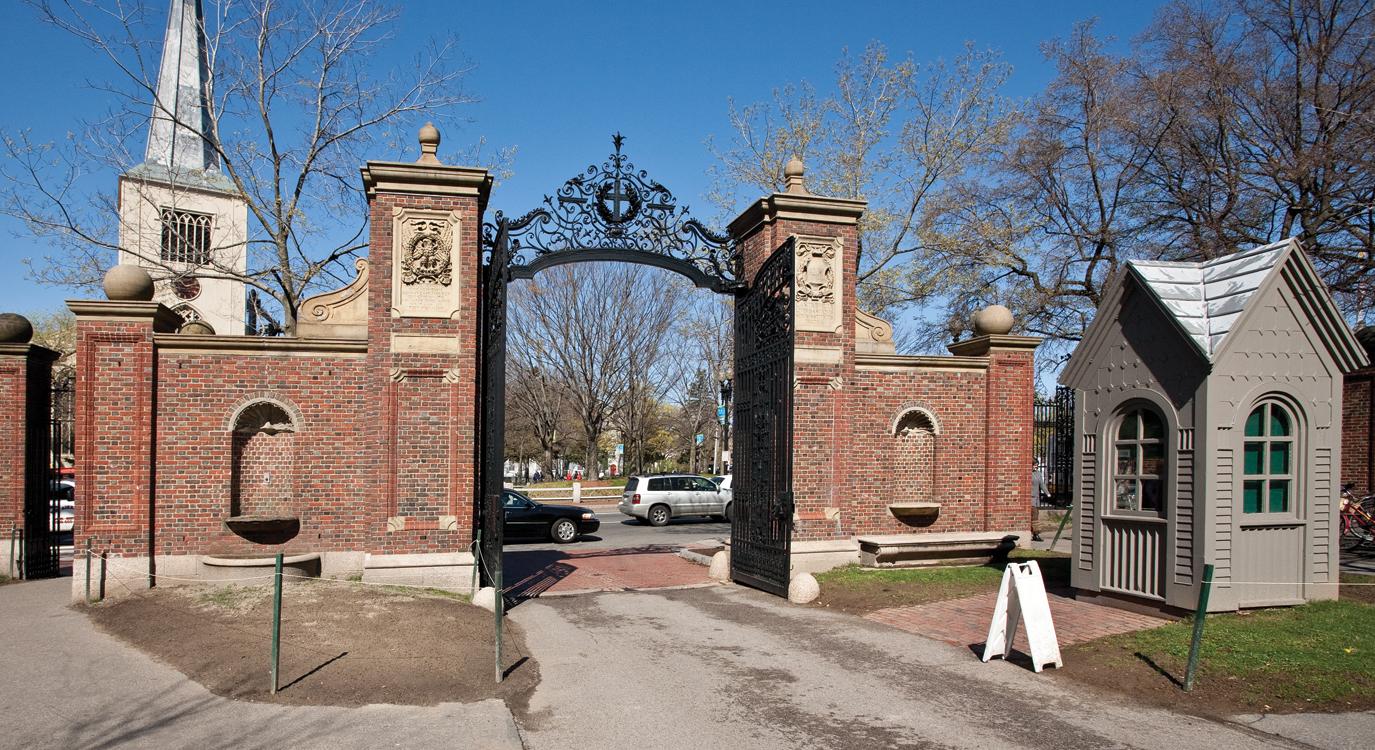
(1208, 426)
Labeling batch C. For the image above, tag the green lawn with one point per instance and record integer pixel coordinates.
(1315, 656)
(862, 590)
(586, 483)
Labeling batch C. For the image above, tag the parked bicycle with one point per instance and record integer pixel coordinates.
(1358, 520)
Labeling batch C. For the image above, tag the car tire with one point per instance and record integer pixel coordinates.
(564, 531)
(659, 515)
(730, 513)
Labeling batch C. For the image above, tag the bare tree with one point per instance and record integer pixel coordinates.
(292, 106)
(710, 331)
(651, 349)
(898, 133)
(536, 405)
(1287, 102)
(567, 322)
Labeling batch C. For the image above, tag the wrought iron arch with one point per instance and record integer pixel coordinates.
(615, 212)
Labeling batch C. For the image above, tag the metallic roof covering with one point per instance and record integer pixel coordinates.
(1206, 299)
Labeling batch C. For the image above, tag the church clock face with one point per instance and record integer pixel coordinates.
(186, 287)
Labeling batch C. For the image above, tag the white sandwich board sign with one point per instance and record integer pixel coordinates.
(1022, 598)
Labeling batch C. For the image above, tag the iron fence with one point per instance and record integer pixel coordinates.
(1053, 449)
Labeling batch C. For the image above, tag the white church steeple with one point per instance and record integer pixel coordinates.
(180, 216)
(180, 135)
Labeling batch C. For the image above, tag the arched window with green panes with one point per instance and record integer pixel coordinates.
(1139, 466)
(1269, 461)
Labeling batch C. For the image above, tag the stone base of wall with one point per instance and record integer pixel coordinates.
(452, 571)
(819, 556)
(119, 577)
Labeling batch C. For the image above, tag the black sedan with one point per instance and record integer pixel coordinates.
(527, 519)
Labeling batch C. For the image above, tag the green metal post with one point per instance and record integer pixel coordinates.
(14, 533)
(1199, 615)
(276, 622)
(500, 604)
(88, 570)
(1063, 520)
(22, 545)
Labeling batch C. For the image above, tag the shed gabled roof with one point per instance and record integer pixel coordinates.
(1207, 301)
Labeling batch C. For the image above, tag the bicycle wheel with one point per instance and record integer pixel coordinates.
(1354, 533)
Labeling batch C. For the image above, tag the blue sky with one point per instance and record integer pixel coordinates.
(556, 80)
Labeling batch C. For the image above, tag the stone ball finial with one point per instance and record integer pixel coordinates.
(794, 176)
(128, 283)
(197, 327)
(429, 144)
(994, 320)
(15, 329)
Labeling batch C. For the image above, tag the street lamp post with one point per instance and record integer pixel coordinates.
(726, 392)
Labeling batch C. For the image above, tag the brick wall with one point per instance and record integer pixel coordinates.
(115, 408)
(13, 416)
(425, 420)
(957, 401)
(1357, 428)
(320, 473)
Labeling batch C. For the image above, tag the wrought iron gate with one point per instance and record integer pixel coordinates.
(762, 511)
(493, 428)
(615, 212)
(41, 550)
(1053, 443)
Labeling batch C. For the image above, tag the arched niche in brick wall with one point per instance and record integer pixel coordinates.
(915, 432)
(262, 502)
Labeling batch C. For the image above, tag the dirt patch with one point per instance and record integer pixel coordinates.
(342, 644)
(1364, 592)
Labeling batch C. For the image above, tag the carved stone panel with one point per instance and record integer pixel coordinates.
(819, 290)
(425, 264)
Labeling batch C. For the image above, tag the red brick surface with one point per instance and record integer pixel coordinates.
(530, 574)
(964, 622)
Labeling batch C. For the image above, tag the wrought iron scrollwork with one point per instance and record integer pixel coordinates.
(615, 211)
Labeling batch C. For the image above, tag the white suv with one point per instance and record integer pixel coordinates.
(655, 499)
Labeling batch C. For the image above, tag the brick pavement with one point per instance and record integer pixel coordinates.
(529, 574)
(964, 622)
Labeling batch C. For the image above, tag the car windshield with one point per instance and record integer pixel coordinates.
(631, 484)
(718, 480)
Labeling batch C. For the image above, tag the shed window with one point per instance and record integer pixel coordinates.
(1139, 463)
(1268, 460)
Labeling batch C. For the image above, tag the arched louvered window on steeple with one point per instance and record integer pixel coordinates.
(186, 237)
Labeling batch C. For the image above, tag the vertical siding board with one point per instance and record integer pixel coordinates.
(1223, 528)
(1320, 514)
(1087, 504)
(1184, 520)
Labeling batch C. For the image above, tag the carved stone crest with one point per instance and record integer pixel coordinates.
(818, 277)
(427, 252)
(815, 276)
(426, 277)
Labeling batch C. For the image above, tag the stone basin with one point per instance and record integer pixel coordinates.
(914, 513)
(264, 529)
(252, 569)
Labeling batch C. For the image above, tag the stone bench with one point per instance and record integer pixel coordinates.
(953, 548)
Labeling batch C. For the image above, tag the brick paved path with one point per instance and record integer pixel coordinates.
(531, 573)
(964, 622)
